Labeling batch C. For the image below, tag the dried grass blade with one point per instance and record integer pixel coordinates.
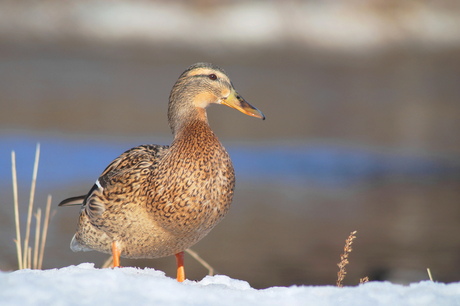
(46, 222)
(201, 261)
(38, 218)
(28, 264)
(31, 200)
(16, 210)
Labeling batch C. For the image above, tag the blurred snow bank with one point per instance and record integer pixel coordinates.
(331, 25)
(85, 285)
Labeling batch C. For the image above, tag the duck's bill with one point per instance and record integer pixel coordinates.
(234, 100)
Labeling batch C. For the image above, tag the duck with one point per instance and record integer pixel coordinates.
(159, 200)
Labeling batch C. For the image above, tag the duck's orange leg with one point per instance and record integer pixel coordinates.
(116, 255)
(180, 267)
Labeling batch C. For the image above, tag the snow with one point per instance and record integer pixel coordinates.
(86, 285)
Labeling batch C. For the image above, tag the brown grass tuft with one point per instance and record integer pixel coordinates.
(344, 259)
(364, 280)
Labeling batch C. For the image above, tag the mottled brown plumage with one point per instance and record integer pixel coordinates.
(155, 201)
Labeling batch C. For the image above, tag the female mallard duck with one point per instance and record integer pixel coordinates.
(156, 201)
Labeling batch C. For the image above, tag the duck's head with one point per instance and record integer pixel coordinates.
(199, 86)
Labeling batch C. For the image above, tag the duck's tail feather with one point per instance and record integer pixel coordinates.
(73, 201)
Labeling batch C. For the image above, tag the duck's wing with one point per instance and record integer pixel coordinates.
(117, 177)
(128, 161)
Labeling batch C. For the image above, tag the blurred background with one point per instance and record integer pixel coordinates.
(362, 100)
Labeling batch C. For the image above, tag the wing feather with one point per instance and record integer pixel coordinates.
(114, 176)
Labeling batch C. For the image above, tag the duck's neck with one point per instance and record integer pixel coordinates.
(194, 120)
(195, 132)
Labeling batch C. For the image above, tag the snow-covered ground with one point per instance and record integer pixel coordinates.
(86, 285)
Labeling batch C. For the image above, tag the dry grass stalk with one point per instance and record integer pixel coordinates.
(364, 280)
(16, 210)
(28, 265)
(29, 257)
(31, 201)
(201, 261)
(44, 232)
(38, 218)
(344, 259)
(108, 263)
(19, 254)
(429, 274)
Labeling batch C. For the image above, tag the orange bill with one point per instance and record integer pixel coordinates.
(234, 100)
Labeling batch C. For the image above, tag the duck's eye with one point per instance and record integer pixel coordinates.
(212, 76)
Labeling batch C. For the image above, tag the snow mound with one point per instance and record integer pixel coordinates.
(86, 285)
